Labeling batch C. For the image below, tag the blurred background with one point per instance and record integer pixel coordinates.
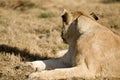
(30, 29)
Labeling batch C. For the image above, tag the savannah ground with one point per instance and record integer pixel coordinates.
(30, 30)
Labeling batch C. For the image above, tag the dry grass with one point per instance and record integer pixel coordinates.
(30, 30)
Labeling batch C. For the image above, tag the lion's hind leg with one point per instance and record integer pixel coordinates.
(62, 73)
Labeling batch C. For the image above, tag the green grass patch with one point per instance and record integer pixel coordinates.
(63, 47)
(46, 15)
(3, 23)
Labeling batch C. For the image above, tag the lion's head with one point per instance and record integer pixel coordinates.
(70, 33)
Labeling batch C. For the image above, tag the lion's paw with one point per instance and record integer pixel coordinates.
(36, 65)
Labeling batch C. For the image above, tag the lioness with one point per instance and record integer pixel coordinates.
(94, 51)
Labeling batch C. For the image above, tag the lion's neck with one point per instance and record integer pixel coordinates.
(72, 35)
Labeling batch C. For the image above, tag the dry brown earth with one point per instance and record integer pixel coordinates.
(30, 30)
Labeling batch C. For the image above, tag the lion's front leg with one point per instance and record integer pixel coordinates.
(41, 65)
(49, 64)
(62, 74)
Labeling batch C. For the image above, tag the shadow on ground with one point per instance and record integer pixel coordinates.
(24, 54)
(110, 1)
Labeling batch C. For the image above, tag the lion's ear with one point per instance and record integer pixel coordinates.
(94, 16)
(66, 16)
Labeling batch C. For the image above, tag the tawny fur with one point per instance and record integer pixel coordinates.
(94, 51)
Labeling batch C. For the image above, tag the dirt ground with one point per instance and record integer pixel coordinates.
(30, 30)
